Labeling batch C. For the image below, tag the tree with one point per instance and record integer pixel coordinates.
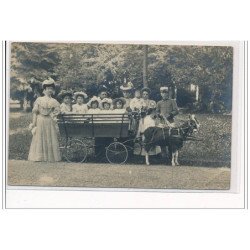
(31, 63)
(145, 65)
(87, 66)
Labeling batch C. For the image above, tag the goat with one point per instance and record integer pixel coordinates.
(171, 137)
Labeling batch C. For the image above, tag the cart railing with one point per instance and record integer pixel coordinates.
(94, 125)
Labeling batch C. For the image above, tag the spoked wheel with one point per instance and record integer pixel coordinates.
(138, 146)
(75, 151)
(117, 153)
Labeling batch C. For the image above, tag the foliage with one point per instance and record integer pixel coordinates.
(86, 66)
(31, 63)
(215, 131)
(184, 98)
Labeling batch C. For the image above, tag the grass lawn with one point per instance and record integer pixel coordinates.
(62, 174)
(214, 150)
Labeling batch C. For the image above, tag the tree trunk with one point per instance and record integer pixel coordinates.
(145, 65)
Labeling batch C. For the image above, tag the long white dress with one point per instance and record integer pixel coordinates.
(44, 145)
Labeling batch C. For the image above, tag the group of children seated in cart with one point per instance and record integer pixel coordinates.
(79, 103)
(96, 105)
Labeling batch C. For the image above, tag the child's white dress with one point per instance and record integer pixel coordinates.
(94, 111)
(80, 109)
(65, 108)
(118, 111)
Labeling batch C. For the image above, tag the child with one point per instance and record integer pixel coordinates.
(147, 122)
(136, 103)
(106, 104)
(118, 106)
(80, 107)
(103, 142)
(119, 103)
(93, 105)
(66, 97)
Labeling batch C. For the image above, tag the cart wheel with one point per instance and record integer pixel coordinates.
(117, 153)
(138, 148)
(75, 151)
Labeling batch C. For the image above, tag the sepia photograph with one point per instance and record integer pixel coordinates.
(120, 115)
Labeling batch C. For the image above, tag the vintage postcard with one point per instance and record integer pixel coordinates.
(120, 115)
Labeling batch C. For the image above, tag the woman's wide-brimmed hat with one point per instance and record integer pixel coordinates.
(122, 100)
(146, 89)
(48, 83)
(106, 100)
(80, 93)
(127, 86)
(93, 99)
(64, 93)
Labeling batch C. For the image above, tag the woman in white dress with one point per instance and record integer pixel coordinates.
(44, 145)
(136, 103)
(146, 101)
(146, 104)
(80, 107)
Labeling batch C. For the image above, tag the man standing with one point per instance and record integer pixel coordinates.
(167, 107)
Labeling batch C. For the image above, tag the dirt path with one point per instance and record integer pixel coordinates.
(116, 176)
